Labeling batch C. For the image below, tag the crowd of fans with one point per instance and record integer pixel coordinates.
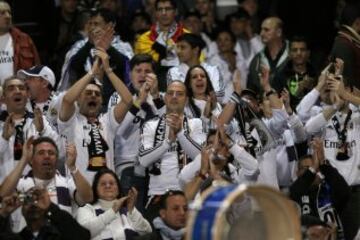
(132, 118)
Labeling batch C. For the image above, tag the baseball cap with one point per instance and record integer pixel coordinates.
(39, 71)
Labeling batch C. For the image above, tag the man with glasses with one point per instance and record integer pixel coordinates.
(160, 40)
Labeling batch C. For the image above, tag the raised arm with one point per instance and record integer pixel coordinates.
(83, 189)
(123, 106)
(11, 181)
(227, 113)
(67, 108)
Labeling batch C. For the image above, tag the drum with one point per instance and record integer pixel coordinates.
(236, 212)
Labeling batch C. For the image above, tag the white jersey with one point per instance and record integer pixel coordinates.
(127, 139)
(179, 73)
(77, 130)
(7, 159)
(286, 156)
(155, 148)
(317, 125)
(227, 75)
(6, 57)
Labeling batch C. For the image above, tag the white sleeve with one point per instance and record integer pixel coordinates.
(278, 122)
(4, 144)
(149, 154)
(169, 75)
(315, 124)
(256, 44)
(191, 142)
(297, 128)
(268, 172)
(138, 222)
(71, 186)
(218, 83)
(188, 173)
(305, 105)
(95, 224)
(67, 128)
(248, 163)
(114, 99)
(49, 131)
(127, 125)
(110, 119)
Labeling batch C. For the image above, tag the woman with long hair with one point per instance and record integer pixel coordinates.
(202, 101)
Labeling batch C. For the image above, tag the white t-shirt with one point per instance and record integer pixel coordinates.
(6, 57)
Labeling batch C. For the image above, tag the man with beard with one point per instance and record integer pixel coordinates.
(79, 120)
(44, 219)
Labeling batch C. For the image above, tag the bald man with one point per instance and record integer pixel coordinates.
(274, 55)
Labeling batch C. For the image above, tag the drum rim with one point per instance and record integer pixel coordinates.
(228, 200)
(197, 204)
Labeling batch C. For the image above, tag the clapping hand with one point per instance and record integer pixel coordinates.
(9, 127)
(131, 201)
(71, 155)
(38, 120)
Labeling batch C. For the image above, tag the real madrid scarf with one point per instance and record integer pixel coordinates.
(160, 137)
(97, 148)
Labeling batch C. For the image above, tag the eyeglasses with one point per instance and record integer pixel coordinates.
(165, 9)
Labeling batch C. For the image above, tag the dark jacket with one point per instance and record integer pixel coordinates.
(347, 47)
(332, 192)
(118, 62)
(263, 58)
(61, 226)
(155, 235)
(298, 85)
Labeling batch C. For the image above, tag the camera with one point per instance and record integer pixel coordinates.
(26, 198)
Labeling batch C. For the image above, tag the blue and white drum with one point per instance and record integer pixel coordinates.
(243, 212)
